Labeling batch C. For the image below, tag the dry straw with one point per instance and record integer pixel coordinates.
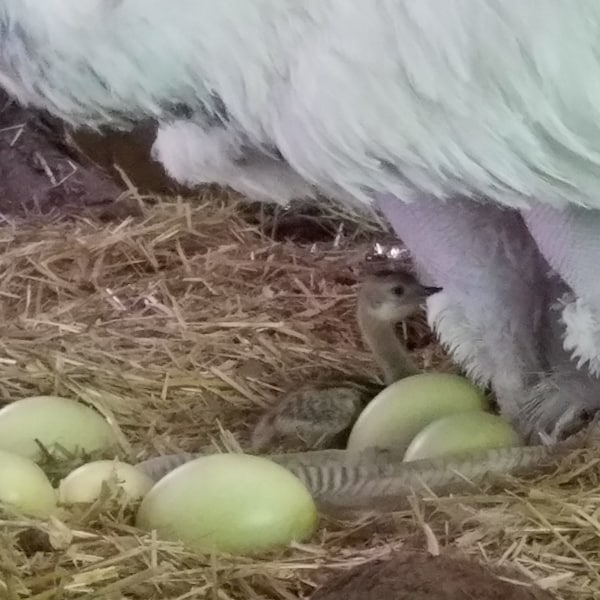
(184, 323)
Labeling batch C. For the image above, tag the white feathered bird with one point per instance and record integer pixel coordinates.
(474, 125)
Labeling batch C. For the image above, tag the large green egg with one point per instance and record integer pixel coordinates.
(235, 503)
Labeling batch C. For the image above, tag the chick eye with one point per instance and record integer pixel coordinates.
(398, 290)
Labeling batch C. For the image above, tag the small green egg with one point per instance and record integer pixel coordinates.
(462, 432)
(84, 484)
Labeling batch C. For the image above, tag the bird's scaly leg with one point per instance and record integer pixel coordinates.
(494, 302)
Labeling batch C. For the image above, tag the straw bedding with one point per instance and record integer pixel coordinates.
(183, 323)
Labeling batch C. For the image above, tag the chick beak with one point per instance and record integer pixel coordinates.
(429, 290)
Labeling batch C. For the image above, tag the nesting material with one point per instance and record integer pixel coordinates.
(183, 325)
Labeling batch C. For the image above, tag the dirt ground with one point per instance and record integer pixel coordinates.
(45, 167)
(38, 173)
(41, 173)
(418, 576)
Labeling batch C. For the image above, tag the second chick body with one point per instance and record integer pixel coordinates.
(313, 417)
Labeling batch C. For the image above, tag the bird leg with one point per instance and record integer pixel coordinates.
(570, 241)
(494, 301)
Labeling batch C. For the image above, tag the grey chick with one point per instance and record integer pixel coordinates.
(385, 298)
(321, 416)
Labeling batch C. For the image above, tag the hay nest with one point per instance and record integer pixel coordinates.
(184, 323)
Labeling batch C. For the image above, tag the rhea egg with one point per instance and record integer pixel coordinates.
(53, 421)
(24, 487)
(235, 503)
(85, 484)
(462, 432)
(401, 410)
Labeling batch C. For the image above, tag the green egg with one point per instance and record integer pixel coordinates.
(24, 487)
(401, 410)
(54, 421)
(462, 432)
(234, 503)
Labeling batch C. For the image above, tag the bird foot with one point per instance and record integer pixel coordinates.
(558, 406)
(571, 422)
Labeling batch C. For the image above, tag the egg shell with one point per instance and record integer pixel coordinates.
(401, 410)
(462, 432)
(234, 503)
(84, 484)
(53, 421)
(24, 487)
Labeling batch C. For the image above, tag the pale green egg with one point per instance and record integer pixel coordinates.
(401, 410)
(24, 487)
(233, 503)
(462, 432)
(84, 484)
(54, 421)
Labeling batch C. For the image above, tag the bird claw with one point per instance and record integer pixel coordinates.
(545, 439)
(571, 422)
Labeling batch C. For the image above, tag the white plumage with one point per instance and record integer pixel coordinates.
(445, 113)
